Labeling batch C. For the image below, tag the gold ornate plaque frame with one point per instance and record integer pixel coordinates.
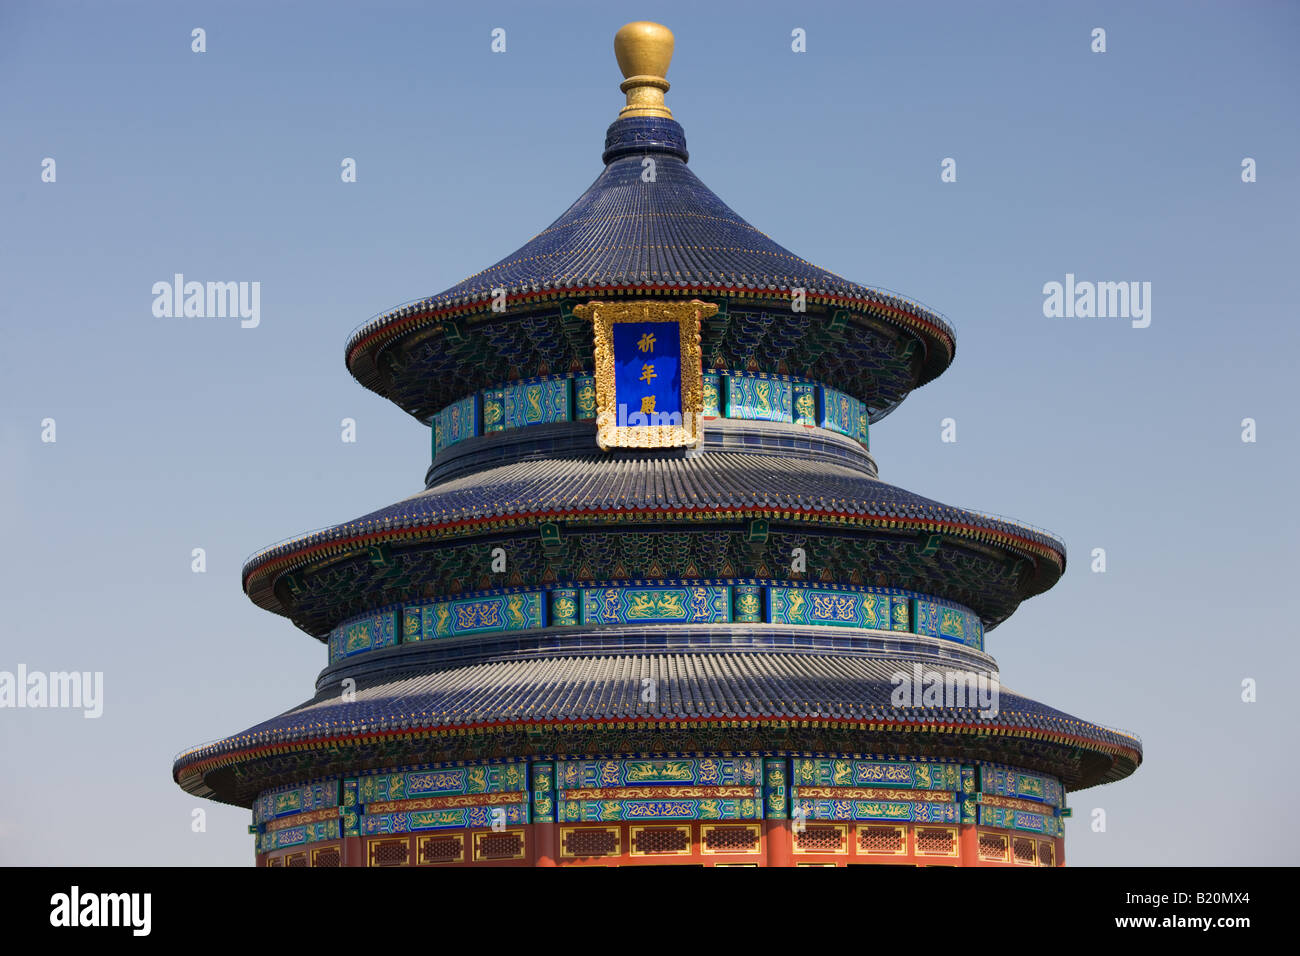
(610, 433)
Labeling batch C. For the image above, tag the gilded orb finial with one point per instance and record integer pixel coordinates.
(644, 50)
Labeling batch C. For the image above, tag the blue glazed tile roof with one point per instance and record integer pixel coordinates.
(707, 686)
(673, 232)
(634, 483)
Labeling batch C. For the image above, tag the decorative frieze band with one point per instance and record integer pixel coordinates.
(610, 790)
(665, 603)
(749, 396)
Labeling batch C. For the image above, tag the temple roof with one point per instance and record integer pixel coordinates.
(756, 687)
(646, 226)
(704, 487)
(672, 232)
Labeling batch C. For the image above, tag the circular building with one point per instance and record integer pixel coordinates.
(654, 604)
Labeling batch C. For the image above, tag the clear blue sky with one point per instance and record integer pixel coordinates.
(181, 433)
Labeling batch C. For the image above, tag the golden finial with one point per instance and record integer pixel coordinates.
(644, 50)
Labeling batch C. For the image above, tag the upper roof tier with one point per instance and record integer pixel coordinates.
(648, 227)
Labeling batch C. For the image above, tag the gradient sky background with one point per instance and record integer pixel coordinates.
(183, 433)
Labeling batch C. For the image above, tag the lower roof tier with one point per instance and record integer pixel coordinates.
(595, 517)
(658, 703)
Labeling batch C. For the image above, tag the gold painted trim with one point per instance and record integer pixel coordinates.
(1004, 857)
(952, 833)
(374, 843)
(843, 828)
(755, 829)
(688, 316)
(483, 835)
(428, 838)
(862, 829)
(634, 832)
(566, 853)
(317, 851)
(1015, 859)
(1051, 853)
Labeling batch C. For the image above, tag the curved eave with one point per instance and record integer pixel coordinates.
(261, 572)
(190, 769)
(772, 700)
(361, 354)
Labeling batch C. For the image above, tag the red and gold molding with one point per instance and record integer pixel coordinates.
(698, 842)
(496, 799)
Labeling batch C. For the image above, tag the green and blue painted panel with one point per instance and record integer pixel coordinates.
(893, 811)
(805, 404)
(536, 403)
(776, 805)
(444, 797)
(1007, 818)
(841, 413)
(584, 397)
(705, 771)
(542, 775)
(494, 410)
(900, 613)
(442, 782)
(897, 775)
(351, 820)
(565, 606)
(358, 635)
(747, 603)
(283, 801)
(758, 397)
(829, 607)
(298, 835)
(1009, 782)
(443, 818)
(663, 605)
(938, 619)
(713, 407)
(501, 612)
(722, 788)
(705, 808)
(456, 422)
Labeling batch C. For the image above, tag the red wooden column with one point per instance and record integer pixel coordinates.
(354, 853)
(968, 845)
(547, 837)
(780, 844)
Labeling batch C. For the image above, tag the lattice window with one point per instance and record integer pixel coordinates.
(670, 840)
(596, 841)
(820, 839)
(936, 841)
(275, 861)
(327, 856)
(730, 839)
(440, 849)
(1046, 854)
(887, 840)
(499, 846)
(296, 859)
(1023, 848)
(389, 852)
(993, 846)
